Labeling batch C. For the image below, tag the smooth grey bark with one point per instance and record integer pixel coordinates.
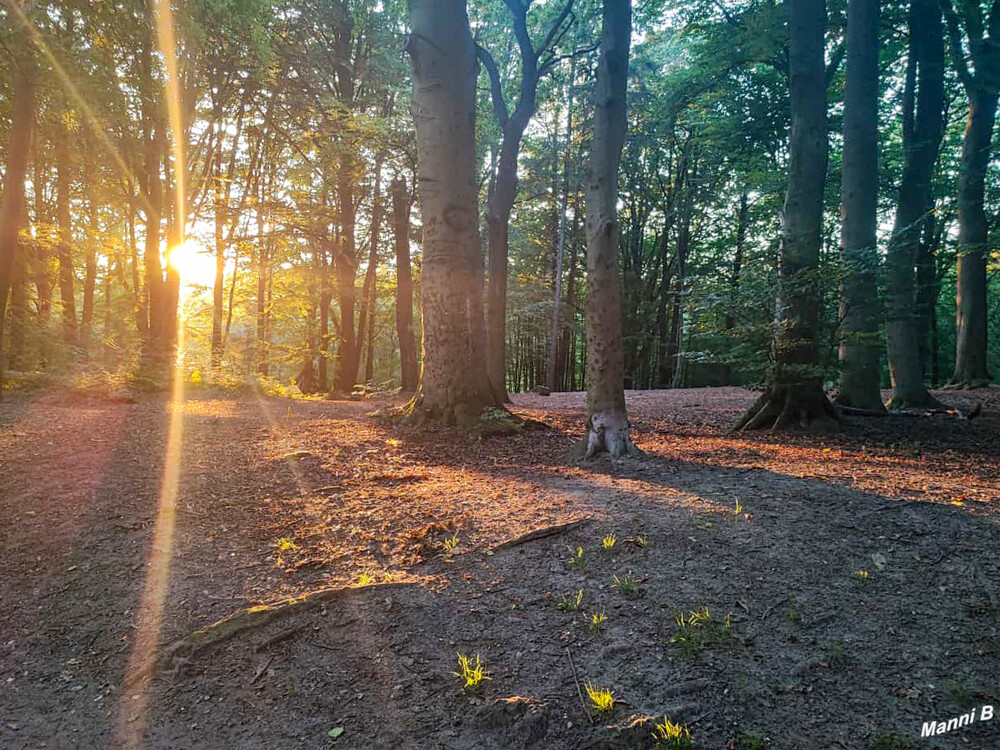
(982, 86)
(794, 396)
(859, 305)
(454, 387)
(923, 128)
(608, 428)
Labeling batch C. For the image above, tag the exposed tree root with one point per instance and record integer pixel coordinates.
(608, 432)
(967, 385)
(543, 533)
(781, 407)
(928, 411)
(181, 651)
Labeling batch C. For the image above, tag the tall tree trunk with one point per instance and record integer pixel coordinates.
(12, 202)
(973, 231)
(498, 209)
(64, 248)
(366, 318)
(90, 178)
(859, 307)
(454, 385)
(404, 286)
(218, 288)
(735, 275)
(982, 85)
(557, 301)
(922, 134)
(794, 395)
(263, 272)
(608, 427)
(18, 299)
(348, 350)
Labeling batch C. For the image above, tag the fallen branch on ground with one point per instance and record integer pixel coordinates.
(543, 533)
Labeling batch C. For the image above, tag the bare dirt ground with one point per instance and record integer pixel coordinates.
(858, 573)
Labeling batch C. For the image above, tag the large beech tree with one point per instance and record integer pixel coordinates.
(923, 127)
(607, 421)
(794, 395)
(859, 306)
(454, 387)
(982, 87)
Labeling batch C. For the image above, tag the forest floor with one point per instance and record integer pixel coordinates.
(852, 579)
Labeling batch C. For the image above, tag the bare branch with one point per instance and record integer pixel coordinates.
(496, 92)
(955, 44)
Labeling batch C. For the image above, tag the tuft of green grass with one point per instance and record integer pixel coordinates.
(609, 541)
(577, 558)
(627, 585)
(793, 615)
(602, 700)
(835, 654)
(598, 620)
(471, 674)
(959, 693)
(642, 541)
(697, 630)
(451, 544)
(863, 575)
(571, 605)
(890, 741)
(671, 736)
(739, 508)
(750, 741)
(367, 578)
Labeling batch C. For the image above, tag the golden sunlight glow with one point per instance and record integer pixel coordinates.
(194, 263)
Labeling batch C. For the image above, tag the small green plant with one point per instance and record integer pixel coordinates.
(609, 541)
(697, 630)
(601, 699)
(959, 692)
(671, 736)
(451, 544)
(834, 654)
(862, 575)
(627, 584)
(642, 542)
(471, 674)
(598, 621)
(571, 604)
(793, 615)
(367, 578)
(750, 741)
(577, 558)
(739, 508)
(890, 741)
(285, 545)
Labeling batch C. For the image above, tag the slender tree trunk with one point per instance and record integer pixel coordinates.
(498, 210)
(263, 272)
(454, 385)
(348, 349)
(922, 134)
(64, 248)
(608, 428)
(18, 298)
(859, 307)
(735, 276)
(794, 395)
(973, 230)
(12, 201)
(366, 318)
(218, 289)
(557, 301)
(90, 248)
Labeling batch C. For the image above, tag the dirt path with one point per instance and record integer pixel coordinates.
(859, 577)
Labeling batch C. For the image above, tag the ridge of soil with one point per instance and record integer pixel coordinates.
(858, 572)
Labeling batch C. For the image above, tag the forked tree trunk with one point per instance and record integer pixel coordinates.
(922, 134)
(454, 388)
(404, 287)
(794, 395)
(608, 428)
(11, 208)
(859, 307)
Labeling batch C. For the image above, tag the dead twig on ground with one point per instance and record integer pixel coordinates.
(579, 691)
